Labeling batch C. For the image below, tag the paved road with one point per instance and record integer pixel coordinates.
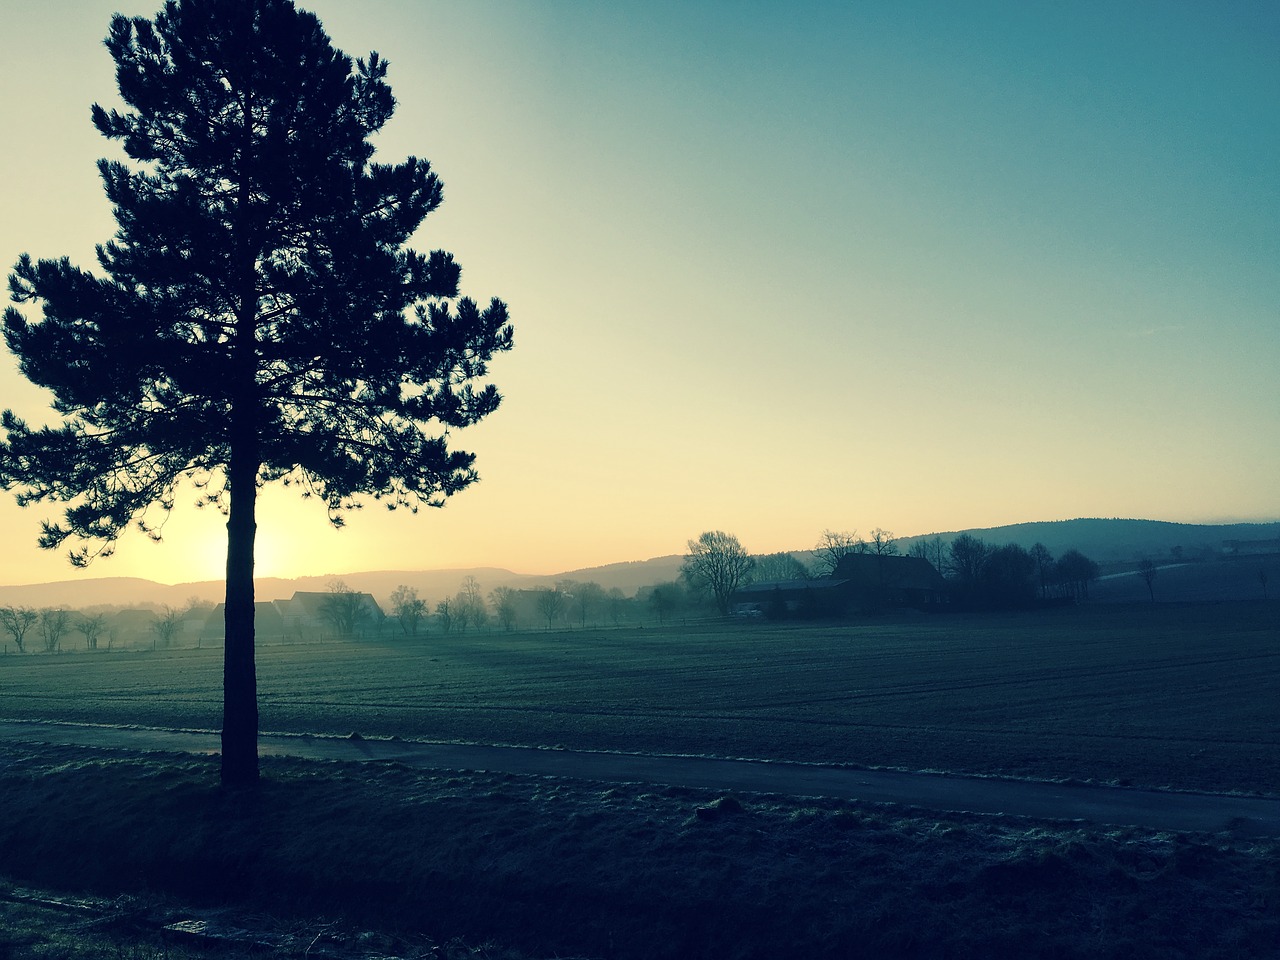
(1155, 809)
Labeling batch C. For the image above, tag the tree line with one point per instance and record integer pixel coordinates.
(979, 574)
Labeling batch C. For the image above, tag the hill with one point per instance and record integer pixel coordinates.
(1113, 543)
(1118, 541)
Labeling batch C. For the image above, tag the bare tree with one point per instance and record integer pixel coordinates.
(54, 625)
(771, 567)
(166, 627)
(1074, 573)
(834, 544)
(343, 609)
(477, 611)
(882, 543)
(550, 603)
(616, 601)
(1044, 566)
(587, 598)
(93, 627)
(1262, 579)
(966, 559)
(665, 598)
(408, 608)
(1147, 570)
(503, 600)
(444, 615)
(17, 621)
(717, 562)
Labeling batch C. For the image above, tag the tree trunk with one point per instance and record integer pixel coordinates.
(239, 674)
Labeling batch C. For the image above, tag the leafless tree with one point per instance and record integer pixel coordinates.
(472, 600)
(771, 567)
(1148, 571)
(166, 626)
(550, 603)
(408, 608)
(834, 544)
(17, 621)
(717, 562)
(54, 625)
(587, 598)
(1044, 566)
(93, 626)
(343, 609)
(444, 615)
(665, 598)
(882, 543)
(503, 600)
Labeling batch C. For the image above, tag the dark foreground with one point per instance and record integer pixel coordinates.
(541, 866)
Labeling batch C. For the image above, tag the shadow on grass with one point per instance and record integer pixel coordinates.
(553, 867)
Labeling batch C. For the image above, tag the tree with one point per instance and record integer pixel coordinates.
(166, 626)
(93, 626)
(343, 609)
(444, 615)
(965, 561)
(550, 603)
(408, 609)
(882, 543)
(1044, 566)
(261, 317)
(1147, 570)
(54, 625)
(1008, 577)
(771, 567)
(717, 562)
(503, 600)
(17, 621)
(933, 549)
(1074, 571)
(833, 545)
(587, 598)
(469, 608)
(666, 598)
(616, 603)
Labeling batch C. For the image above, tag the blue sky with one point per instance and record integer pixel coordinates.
(775, 269)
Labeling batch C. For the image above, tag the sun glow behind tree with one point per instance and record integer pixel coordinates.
(261, 317)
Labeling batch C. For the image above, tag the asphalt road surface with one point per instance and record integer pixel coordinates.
(1154, 809)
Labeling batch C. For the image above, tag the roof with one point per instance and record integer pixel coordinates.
(903, 573)
(766, 589)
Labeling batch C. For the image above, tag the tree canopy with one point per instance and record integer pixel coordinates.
(717, 562)
(258, 315)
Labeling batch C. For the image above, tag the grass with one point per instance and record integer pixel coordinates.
(559, 868)
(542, 867)
(1148, 695)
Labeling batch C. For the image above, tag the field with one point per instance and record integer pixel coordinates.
(541, 867)
(1153, 695)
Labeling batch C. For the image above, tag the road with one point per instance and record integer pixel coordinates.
(1153, 809)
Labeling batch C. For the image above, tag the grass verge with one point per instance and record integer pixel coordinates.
(548, 867)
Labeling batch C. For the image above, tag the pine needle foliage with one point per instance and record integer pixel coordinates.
(258, 315)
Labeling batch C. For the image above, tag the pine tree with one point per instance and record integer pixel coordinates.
(258, 316)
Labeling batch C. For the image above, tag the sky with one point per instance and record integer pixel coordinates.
(775, 268)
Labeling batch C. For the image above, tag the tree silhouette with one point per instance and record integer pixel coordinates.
(717, 562)
(261, 317)
(17, 621)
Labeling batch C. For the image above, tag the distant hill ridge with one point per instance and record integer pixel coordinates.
(1103, 540)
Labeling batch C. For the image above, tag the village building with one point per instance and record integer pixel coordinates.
(860, 582)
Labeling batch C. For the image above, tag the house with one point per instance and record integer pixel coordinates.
(780, 598)
(874, 581)
(860, 581)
